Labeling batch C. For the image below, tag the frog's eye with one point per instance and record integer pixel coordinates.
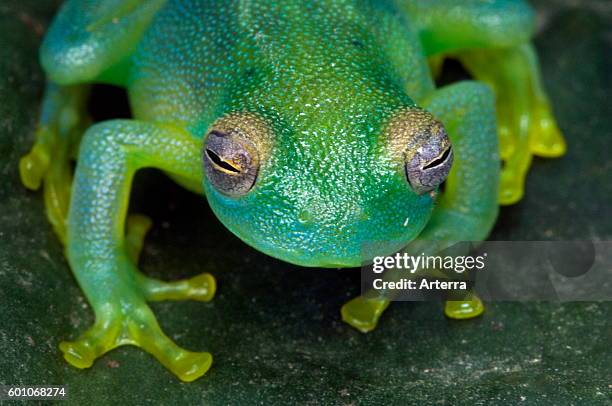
(231, 162)
(430, 164)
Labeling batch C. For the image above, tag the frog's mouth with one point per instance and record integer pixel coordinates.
(301, 257)
(326, 263)
(354, 255)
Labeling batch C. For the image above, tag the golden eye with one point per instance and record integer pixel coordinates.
(420, 142)
(235, 149)
(429, 166)
(231, 162)
(220, 163)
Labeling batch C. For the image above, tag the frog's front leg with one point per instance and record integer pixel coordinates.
(492, 40)
(468, 206)
(110, 154)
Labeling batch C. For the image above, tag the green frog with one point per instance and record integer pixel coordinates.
(311, 127)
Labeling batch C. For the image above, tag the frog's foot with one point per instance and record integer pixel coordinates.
(541, 137)
(63, 121)
(363, 313)
(526, 125)
(134, 324)
(131, 322)
(464, 309)
(534, 132)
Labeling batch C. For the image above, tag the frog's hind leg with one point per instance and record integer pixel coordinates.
(492, 39)
(62, 122)
(87, 42)
(526, 125)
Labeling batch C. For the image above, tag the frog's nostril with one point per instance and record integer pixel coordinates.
(305, 217)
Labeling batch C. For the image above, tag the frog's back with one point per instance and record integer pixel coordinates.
(183, 61)
(198, 54)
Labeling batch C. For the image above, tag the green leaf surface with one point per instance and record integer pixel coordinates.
(275, 329)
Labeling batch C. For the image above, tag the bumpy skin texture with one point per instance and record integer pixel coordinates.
(322, 103)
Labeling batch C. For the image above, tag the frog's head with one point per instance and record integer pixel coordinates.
(313, 191)
(314, 148)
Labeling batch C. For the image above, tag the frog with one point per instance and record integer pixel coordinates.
(311, 128)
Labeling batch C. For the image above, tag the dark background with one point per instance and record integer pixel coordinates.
(275, 329)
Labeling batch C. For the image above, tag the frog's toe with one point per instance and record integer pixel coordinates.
(144, 332)
(191, 365)
(363, 314)
(512, 177)
(545, 138)
(33, 166)
(464, 309)
(511, 187)
(137, 227)
(96, 341)
(58, 183)
(201, 287)
(78, 354)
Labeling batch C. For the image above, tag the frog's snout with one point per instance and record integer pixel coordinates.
(307, 217)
